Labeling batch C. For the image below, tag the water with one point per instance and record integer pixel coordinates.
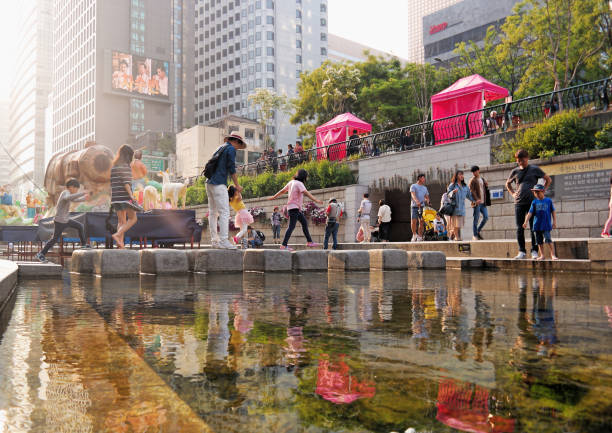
(380, 352)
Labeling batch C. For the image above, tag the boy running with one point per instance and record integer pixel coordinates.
(542, 209)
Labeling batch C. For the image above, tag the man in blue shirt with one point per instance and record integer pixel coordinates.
(216, 190)
(545, 219)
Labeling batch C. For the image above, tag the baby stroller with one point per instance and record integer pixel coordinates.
(429, 231)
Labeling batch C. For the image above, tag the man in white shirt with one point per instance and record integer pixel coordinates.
(364, 217)
(384, 221)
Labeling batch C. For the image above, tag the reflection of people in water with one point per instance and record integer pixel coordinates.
(482, 335)
(419, 328)
(142, 79)
(544, 326)
(295, 352)
(122, 79)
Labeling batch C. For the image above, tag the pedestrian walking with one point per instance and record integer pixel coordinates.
(296, 191)
(364, 217)
(62, 221)
(384, 221)
(420, 197)
(525, 177)
(123, 201)
(482, 198)
(608, 225)
(243, 216)
(224, 165)
(333, 212)
(275, 219)
(545, 219)
(461, 192)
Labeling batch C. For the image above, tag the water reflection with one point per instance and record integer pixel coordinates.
(316, 352)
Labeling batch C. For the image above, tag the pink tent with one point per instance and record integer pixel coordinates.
(465, 95)
(338, 130)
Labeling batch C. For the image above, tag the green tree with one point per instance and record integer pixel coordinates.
(269, 104)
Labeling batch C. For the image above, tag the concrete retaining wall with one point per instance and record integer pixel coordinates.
(8, 281)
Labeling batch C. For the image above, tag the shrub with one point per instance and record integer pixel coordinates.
(321, 174)
(560, 134)
(603, 138)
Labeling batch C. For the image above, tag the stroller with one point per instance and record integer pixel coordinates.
(429, 233)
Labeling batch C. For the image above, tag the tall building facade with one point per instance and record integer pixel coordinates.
(345, 50)
(121, 68)
(465, 21)
(418, 10)
(29, 96)
(5, 160)
(243, 45)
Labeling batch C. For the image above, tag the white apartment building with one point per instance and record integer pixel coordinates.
(418, 10)
(29, 96)
(5, 160)
(242, 45)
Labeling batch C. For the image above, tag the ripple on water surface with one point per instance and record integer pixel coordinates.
(318, 352)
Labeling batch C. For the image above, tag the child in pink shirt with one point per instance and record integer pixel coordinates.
(296, 191)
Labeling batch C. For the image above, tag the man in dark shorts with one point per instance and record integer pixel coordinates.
(526, 177)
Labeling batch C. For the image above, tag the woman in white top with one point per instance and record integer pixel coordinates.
(384, 221)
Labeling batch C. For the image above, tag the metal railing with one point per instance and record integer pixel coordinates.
(509, 115)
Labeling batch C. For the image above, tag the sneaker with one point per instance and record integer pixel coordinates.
(225, 245)
(41, 258)
(475, 238)
(86, 247)
(480, 238)
(214, 244)
(605, 235)
(236, 240)
(414, 238)
(287, 248)
(534, 255)
(419, 239)
(521, 255)
(312, 244)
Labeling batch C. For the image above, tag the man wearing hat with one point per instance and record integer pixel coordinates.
(216, 190)
(333, 212)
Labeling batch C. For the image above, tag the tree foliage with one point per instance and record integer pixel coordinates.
(269, 104)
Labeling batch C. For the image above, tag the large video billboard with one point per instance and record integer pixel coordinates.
(139, 75)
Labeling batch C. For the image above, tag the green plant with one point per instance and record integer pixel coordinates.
(561, 134)
(603, 137)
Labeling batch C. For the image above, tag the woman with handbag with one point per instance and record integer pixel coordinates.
(460, 192)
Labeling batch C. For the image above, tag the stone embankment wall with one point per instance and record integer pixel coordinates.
(349, 195)
(8, 281)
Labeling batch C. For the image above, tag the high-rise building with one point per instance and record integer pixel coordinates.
(341, 49)
(419, 9)
(465, 21)
(243, 45)
(29, 96)
(5, 160)
(121, 68)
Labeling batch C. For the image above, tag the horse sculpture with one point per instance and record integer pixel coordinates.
(173, 190)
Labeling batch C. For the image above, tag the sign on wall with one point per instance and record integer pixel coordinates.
(580, 186)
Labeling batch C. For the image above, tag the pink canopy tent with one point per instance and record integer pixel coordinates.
(338, 130)
(465, 95)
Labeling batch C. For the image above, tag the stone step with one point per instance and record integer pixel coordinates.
(563, 265)
(32, 270)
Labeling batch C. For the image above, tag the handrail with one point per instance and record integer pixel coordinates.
(448, 129)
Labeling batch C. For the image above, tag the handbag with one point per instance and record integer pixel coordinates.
(448, 207)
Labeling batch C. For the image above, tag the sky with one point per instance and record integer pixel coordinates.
(379, 24)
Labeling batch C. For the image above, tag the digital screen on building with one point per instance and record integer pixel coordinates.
(139, 75)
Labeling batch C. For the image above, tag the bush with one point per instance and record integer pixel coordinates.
(323, 174)
(603, 138)
(561, 134)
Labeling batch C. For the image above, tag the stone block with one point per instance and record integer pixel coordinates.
(388, 259)
(600, 249)
(574, 233)
(8, 281)
(216, 260)
(426, 260)
(572, 206)
(310, 260)
(596, 204)
(503, 222)
(116, 263)
(495, 210)
(586, 219)
(508, 209)
(192, 256)
(162, 261)
(565, 220)
(267, 260)
(603, 217)
(39, 270)
(82, 261)
(349, 260)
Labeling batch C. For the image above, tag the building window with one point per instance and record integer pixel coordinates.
(270, 82)
(298, 13)
(323, 36)
(270, 51)
(323, 22)
(323, 8)
(298, 28)
(323, 51)
(270, 67)
(298, 59)
(270, 4)
(298, 43)
(270, 36)
(269, 20)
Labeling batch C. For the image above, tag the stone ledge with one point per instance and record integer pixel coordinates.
(426, 260)
(310, 260)
(388, 259)
(31, 270)
(162, 261)
(218, 261)
(349, 260)
(8, 281)
(82, 261)
(116, 263)
(267, 260)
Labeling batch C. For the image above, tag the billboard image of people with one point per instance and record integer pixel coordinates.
(142, 75)
(122, 71)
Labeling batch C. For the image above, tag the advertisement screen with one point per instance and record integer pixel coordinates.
(139, 75)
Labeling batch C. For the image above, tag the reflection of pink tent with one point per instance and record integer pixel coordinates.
(335, 384)
(338, 130)
(465, 407)
(465, 95)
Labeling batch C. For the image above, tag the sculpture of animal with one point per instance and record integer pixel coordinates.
(173, 190)
(150, 198)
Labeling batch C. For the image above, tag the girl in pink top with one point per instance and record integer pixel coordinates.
(296, 191)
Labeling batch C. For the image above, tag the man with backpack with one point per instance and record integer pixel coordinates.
(218, 168)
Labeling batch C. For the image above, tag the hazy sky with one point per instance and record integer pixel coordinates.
(380, 24)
